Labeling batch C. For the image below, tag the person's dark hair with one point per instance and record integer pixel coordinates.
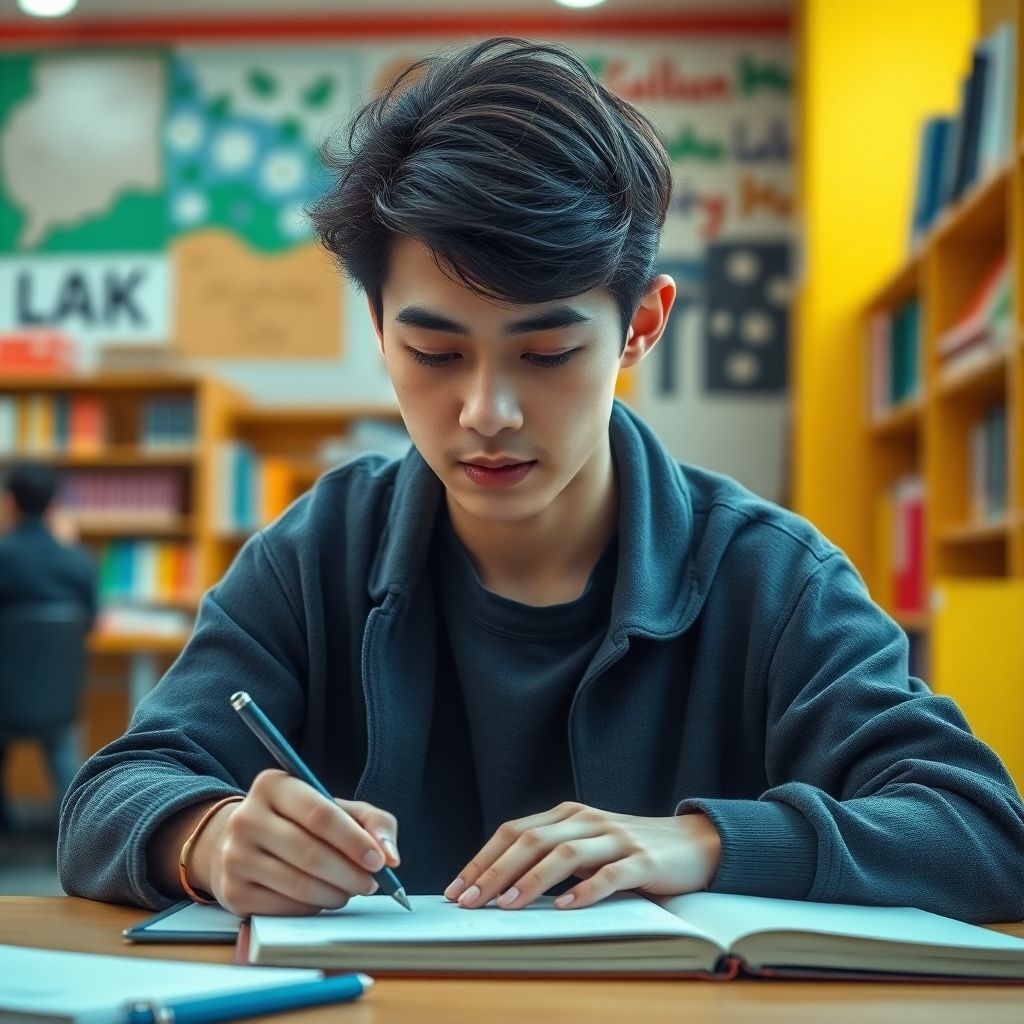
(32, 485)
(526, 177)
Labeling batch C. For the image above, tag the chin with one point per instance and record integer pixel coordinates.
(498, 507)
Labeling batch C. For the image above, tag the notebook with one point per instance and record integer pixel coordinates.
(708, 934)
(187, 922)
(44, 986)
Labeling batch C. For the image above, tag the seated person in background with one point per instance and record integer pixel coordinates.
(37, 565)
(552, 654)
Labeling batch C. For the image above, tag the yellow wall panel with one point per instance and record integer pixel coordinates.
(978, 660)
(869, 72)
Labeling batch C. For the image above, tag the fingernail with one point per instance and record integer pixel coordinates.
(565, 899)
(389, 848)
(372, 860)
(469, 896)
(374, 886)
(508, 896)
(453, 890)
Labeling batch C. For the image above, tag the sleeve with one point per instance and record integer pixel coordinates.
(184, 744)
(879, 792)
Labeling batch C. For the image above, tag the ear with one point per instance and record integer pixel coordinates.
(376, 326)
(649, 321)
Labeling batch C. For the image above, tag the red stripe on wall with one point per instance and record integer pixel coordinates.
(34, 32)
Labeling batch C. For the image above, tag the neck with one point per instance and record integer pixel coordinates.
(548, 558)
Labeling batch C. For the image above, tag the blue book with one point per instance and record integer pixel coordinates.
(928, 196)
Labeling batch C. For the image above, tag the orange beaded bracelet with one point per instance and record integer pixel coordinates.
(191, 893)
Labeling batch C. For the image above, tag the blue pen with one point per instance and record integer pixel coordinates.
(269, 735)
(232, 1006)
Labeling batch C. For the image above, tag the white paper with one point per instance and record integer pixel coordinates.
(91, 989)
(729, 918)
(435, 919)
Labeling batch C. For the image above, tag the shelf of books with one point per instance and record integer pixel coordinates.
(272, 455)
(135, 457)
(944, 377)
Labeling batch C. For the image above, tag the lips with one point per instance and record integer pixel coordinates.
(500, 463)
(501, 474)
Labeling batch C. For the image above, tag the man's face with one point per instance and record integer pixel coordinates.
(508, 404)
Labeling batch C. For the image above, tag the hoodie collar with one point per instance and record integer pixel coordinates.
(655, 590)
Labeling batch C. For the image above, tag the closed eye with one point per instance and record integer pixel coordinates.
(427, 359)
(535, 358)
(558, 359)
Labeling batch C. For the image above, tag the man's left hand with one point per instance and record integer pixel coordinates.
(611, 852)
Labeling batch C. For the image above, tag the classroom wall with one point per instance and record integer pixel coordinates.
(870, 71)
(182, 222)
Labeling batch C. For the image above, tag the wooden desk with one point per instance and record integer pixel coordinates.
(84, 926)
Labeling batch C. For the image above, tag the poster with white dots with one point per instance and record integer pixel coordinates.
(747, 317)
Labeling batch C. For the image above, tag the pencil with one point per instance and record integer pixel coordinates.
(282, 752)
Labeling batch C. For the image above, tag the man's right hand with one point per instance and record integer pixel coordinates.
(284, 849)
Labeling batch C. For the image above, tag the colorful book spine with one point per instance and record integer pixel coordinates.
(147, 572)
(908, 594)
(252, 490)
(168, 424)
(895, 357)
(988, 466)
(962, 148)
(152, 497)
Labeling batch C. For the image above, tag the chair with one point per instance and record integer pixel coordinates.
(42, 672)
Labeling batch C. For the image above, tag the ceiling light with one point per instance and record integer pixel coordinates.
(580, 3)
(46, 8)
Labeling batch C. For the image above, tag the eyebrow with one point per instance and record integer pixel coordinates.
(550, 320)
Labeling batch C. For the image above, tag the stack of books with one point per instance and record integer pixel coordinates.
(986, 323)
(895, 356)
(960, 150)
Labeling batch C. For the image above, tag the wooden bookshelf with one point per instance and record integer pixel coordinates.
(968, 556)
(138, 657)
(299, 436)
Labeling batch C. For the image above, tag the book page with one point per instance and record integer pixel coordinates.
(729, 918)
(87, 986)
(434, 919)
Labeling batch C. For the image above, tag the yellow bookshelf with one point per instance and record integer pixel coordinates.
(295, 441)
(969, 625)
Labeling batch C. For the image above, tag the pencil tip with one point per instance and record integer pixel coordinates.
(399, 895)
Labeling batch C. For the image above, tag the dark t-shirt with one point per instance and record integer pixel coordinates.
(499, 742)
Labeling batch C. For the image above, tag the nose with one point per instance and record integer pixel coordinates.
(490, 406)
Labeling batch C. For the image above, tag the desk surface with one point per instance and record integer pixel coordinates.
(84, 926)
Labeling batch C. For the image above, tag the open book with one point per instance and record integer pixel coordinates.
(706, 933)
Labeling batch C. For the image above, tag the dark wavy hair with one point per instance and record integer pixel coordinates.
(526, 178)
(32, 485)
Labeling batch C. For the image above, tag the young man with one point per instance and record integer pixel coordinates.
(36, 566)
(537, 650)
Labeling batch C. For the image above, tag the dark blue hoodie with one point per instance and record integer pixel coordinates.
(745, 673)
